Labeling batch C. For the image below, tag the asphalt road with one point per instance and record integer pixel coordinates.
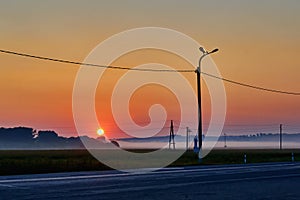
(260, 181)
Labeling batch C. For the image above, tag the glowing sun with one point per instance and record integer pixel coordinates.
(100, 132)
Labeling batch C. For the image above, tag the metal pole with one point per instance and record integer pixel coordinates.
(198, 72)
(280, 136)
(187, 138)
(199, 106)
(225, 144)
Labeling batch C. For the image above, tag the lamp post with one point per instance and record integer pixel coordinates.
(198, 72)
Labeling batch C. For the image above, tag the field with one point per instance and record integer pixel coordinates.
(49, 161)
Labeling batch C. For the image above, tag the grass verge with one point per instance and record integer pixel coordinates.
(50, 161)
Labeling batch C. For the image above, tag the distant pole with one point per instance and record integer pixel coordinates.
(171, 138)
(187, 137)
(198, 72)
(280, 136)
(225, 145)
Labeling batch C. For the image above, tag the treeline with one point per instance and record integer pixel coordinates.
(262, 137)
(28, 138)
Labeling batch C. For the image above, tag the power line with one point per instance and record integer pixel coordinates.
(147, 70)
(90, 64)
(251, 86)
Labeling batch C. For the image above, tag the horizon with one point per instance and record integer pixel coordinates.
(27, 138)
(183, 135)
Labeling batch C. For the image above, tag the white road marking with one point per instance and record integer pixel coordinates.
(8, 186)
(64, 178)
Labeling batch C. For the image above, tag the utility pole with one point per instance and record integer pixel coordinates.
(225, 145)
(171, 138)
(280, 136)
(198, 72)
(187, 137)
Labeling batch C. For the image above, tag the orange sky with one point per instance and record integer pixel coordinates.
(259, 44)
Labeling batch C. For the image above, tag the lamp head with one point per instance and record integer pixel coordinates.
(215, 50)
(202, 50)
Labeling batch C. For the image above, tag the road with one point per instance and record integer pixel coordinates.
(250, 181)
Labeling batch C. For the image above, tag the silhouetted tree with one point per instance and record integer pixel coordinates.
(19, 137)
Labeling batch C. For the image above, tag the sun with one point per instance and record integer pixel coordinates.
(100, 132)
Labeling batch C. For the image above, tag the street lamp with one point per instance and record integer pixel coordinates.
(198, 72)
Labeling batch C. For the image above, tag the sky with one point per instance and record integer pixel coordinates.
(258, 41)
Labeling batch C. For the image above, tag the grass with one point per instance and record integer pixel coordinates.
(236, 156)
(49, 161)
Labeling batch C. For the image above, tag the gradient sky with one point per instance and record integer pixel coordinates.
(259, 43)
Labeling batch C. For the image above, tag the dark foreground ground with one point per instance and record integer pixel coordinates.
(250, 181)
(51, 161)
